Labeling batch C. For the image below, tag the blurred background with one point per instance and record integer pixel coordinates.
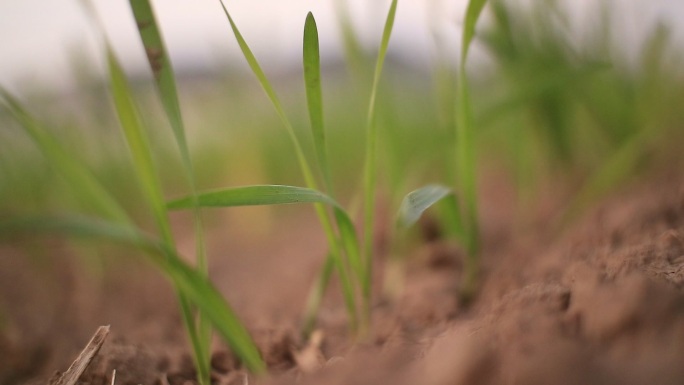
(41, 41)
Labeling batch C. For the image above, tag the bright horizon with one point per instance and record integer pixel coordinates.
(39, 47)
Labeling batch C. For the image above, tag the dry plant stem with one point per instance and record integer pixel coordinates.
(71, 376)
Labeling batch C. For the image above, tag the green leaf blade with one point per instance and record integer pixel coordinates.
(314, 94)
(473, 12)
(257, 195)
(160, 64)
(136, 138)
(162, 69)
(416, 202)
(370, 165)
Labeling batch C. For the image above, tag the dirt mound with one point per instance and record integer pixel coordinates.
(601, 304)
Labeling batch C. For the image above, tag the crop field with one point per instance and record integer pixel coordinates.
(510, 213)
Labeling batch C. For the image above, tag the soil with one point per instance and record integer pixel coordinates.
(599, 302)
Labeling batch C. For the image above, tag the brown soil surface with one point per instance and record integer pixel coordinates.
(599, 303)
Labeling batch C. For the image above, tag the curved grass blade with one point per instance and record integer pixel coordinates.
(370, 166)
(260, 195)
(79, 177)
(416, 202)
(277, 195)
(198, 289)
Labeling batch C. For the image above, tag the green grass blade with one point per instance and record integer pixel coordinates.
(473, 12)
(370, 166)
(466, 159)
(312, 77)
(137, 141)
(136, 138)
(313, 302)
(260, 195)
(160, 63)
(466, 164)
(266, 85)
(79, 177)
(351, 243)
(255, 196)
(452, 217)
(162, 70)
(314, 95)
(193, 283)
(416, 202)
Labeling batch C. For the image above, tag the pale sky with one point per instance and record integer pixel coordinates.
(39, 38)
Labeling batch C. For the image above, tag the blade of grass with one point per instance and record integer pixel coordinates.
(411, 209)
(314, 95)
(312, 77)
(132, 126)
(138, 143)
(313, 302)
(162, 255)
(160, 63)
(255, 196)
(370, 165)
(417, 201)
(258, 195)
(473, 12)
(276, 195)
(266, 85)
(326, 223)
(465, 152)
(162, 69)
(131, 123)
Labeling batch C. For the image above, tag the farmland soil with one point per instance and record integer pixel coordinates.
(598, 301)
